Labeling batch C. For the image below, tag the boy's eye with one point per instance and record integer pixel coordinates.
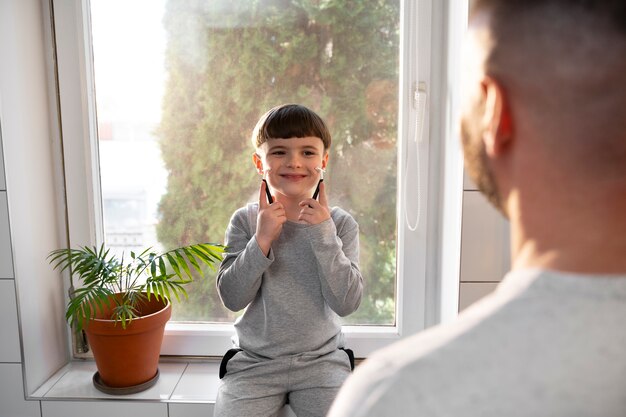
(309, 153)
(278, 152)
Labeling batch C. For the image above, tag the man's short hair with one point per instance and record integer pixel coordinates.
(614, 11)
(563, 63)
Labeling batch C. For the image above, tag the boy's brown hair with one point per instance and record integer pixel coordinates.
(290, 121)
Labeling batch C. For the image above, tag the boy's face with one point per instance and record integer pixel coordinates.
(292, 164)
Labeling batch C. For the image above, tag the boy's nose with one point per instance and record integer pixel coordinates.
(293, 161)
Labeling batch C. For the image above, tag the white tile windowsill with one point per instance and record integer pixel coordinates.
(179, 383)
(186, 382)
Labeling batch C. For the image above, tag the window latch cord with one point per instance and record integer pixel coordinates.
(420, 97)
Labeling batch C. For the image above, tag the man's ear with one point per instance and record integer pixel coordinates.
(497, 122)
(258, 163)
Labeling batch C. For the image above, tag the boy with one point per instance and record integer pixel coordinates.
(293, 264)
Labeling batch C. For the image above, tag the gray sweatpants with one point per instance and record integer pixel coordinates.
(256, 387)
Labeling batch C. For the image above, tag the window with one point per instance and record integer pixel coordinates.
(158, 102)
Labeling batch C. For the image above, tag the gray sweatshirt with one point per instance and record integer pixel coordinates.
(295, 295)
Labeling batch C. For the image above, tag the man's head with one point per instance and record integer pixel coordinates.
(546, 79)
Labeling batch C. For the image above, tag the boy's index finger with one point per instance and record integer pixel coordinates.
(323, 199)
(263, 195)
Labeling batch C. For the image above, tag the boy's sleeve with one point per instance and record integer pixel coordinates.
(240, 273)
(336, 249)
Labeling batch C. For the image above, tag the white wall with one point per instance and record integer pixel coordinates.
(34, 342)
(485, 247)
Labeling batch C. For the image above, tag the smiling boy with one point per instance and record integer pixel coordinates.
(293, 265)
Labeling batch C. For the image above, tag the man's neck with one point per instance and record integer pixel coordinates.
(583, 233)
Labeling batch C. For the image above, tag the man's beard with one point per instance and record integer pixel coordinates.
(476, 162)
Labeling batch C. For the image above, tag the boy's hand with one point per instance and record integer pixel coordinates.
(313, 211)
(269, 222)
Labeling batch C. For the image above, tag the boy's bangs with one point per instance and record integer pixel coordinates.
(290, 124)
(290, 121)
(286, 132)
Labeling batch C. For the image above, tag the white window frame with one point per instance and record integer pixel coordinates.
(418, 298)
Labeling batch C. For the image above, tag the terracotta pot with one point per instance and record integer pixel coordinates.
(129, 357)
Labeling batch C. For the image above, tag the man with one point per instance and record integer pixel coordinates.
(544, 133)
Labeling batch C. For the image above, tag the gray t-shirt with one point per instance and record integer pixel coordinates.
(544, 343)
(294, 296)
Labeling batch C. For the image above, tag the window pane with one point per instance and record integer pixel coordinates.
(181, 84)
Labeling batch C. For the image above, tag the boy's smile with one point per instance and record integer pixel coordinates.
(292, 165)
(293, 177)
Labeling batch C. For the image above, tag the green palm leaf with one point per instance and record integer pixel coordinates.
(101, 274)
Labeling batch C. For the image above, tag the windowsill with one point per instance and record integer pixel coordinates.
(185, 382)
(180, 382)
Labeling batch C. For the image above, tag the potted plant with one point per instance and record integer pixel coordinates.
(124, 304)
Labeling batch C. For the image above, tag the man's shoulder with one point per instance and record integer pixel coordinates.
(500, 352)
(414, 373)
(396, 380)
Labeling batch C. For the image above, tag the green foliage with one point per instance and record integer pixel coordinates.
(228, 63)
(103, 275)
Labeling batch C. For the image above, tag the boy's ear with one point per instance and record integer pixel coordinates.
(258, 163)
(325, 160)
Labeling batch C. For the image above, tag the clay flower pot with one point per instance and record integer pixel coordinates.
(129, 357)
(124, 328)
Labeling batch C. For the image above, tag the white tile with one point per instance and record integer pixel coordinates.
(10, 340)
(485, 247)
(40, 392)
(470, 292)
(6, 261)
(199, 382)
(77, 383)
(468, 184)
(191, 410)
(3, 184)
(12, 402)
(103, 409)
